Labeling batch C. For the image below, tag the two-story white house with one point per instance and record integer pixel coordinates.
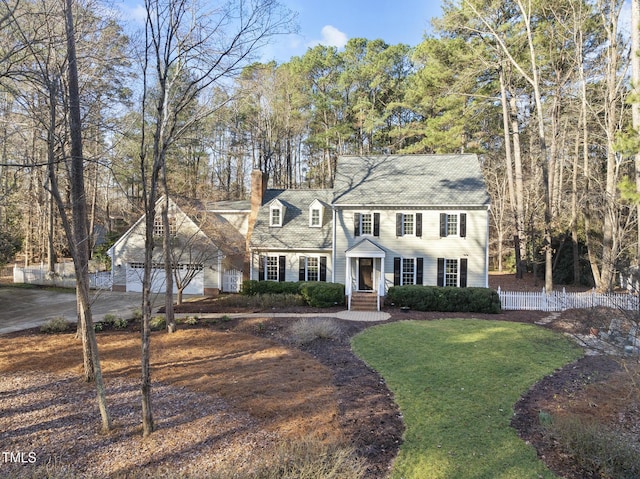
(388, 220)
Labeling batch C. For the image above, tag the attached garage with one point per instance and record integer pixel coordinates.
(135, 273)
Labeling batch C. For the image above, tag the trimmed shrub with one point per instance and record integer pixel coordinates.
(315, 293)
(55, 325)
(322, 295)
(447, 299)
(252, 287)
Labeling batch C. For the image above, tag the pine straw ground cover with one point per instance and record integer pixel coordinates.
(219, 398)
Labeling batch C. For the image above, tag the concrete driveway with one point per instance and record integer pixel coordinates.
(28, 308)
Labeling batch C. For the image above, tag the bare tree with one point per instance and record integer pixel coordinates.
(187, 52)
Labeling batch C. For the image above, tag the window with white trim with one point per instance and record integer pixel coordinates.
(366, 223)
(313, 268)
(408, 271)
(271, 268)
(275, 217)
(315, 218)
(453, 224)
(451, 272)
(408, 224)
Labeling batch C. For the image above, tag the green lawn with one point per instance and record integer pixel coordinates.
(456, 382)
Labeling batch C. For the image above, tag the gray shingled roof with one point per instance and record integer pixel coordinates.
(410, 180)
(295, 231)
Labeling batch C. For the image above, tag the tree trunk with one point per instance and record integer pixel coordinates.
(80, 234)
(520, 239)
(515, 201)
(170, 317)
(573, 226)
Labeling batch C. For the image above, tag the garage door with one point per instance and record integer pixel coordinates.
(135, 272)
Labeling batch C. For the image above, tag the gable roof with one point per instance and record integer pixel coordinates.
(294, 232)
(410, 180)
(365, 248)
(222, 235)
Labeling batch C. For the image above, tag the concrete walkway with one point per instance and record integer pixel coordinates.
(372, 316)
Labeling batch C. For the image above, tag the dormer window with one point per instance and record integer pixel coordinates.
(316, 213)
(315, 217)
(276, 217)
(276, 213)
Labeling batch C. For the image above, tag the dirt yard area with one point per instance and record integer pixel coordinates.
(226, 393)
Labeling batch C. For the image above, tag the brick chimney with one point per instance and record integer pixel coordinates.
(259, 182)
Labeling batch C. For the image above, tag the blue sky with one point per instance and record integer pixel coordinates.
(333, 22)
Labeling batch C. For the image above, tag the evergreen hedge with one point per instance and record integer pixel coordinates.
(316, 294)
(447, 299)
(322, 295)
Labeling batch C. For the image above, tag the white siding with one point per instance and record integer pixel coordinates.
(429, 246)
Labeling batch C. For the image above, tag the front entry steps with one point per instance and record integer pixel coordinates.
(364, 301)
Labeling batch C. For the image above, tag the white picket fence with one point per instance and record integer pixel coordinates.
(561, 300)
(64, 277)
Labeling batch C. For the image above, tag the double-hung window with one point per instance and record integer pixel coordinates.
(312, 268)
(452, 272)
(408, 271)
(409, 224)
(276, 217)
(366, 224)
(315, 217)
(272, 268)
(453, 224)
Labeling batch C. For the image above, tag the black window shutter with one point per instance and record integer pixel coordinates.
(420, 271)
(443, 225)
(463, 272)
(323, 268)
(463, 225)
(356, 224)
(261, 260)
(398, 224)
(419, 225)
(376, 224)
(396, 271)
(282, 268)
(440, 271)
(302, 268)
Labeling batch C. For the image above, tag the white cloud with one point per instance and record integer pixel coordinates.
(331, 37)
